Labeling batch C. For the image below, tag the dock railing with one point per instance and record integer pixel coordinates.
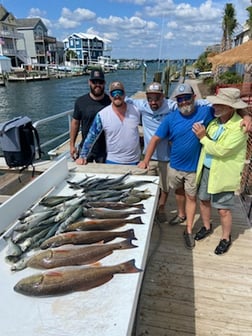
(46, 121)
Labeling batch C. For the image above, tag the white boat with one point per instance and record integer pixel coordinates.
(103, 62)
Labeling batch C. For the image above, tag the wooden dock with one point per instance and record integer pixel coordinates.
(195, 292)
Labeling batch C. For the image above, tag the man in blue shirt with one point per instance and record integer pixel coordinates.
(153, 111)
(184, 152)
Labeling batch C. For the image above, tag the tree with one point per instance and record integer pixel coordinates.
(70, 54)
(249, 21)
(202, 63)
(229, 23)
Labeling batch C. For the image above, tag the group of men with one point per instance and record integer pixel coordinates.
(174, 138)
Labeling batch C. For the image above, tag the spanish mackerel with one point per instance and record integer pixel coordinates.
(71, 279)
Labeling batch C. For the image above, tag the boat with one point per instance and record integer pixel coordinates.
(104, 63)
(180, 292)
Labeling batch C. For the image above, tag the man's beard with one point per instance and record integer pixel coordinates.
(186, 109)
(97, 93)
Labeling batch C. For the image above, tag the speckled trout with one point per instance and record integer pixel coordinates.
(85, 237)
(71, 279)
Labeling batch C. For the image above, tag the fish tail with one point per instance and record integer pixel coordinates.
(129, 267)
(129, 234)
(136, 220)
(126, 244)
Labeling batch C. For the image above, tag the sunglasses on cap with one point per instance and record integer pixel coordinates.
(97, 81)
(117, 93)
(183, 98)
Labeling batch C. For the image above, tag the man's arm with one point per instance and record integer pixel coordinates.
(93, 134)
(149, 152)
(246, 120)
(75, 126)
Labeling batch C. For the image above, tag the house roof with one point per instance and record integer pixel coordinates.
(87, 36)
(30, 23)
(240, 54)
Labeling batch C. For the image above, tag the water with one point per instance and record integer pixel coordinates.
(42, 99)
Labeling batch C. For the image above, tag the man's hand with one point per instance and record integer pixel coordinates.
(142, 165)
(81, 161)
(247, 123)
(199, 130)
(74, 152)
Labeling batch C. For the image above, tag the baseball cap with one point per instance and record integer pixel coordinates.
(116, 86)
(97, 74)
(154, 87)
(182, 89)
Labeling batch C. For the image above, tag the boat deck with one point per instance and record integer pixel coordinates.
(196, 292)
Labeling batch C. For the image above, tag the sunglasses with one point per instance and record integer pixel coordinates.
(183, 98)
(154, 99)
(115, 93)
(97, 81)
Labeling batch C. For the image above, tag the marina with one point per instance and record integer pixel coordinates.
(182, 292)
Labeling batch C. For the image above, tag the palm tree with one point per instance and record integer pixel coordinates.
(249, 21)
(229, 23)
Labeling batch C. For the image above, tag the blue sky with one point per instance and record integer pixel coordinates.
(146, 29)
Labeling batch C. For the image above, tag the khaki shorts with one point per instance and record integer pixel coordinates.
(181, 179)
(160, 168)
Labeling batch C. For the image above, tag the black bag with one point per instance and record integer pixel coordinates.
(20, 143)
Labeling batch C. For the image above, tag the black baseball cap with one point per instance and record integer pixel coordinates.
(97, 74)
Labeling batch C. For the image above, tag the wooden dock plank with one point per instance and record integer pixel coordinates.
(195, 292)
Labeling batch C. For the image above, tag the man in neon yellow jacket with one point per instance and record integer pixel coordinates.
(221, 163)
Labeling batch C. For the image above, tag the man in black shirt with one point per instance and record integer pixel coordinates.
(85, 109)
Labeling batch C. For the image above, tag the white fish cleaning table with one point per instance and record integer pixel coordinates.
(108, 310)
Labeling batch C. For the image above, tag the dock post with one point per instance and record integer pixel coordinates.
(167, 79)
(157, 77)
(144, 74)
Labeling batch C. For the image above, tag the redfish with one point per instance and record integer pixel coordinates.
(71, 255)
(114, 205)
(86, 237)
(71, 279)
(104, 213)
(102, 224)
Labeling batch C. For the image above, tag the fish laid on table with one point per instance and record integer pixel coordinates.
(109, 213)
(71, 279)
(51, 201)
(86, 237)
(113, 205)
(102, 224)
(71, 255)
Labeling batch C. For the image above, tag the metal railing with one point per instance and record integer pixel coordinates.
(67, 114)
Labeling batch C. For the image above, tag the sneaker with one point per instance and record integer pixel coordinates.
(203, 233)
(161, 216)
(223, 246)
(177, 220)
(189, 240)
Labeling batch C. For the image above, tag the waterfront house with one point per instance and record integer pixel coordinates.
(9, 38)
(87, 47)
(41, 48)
